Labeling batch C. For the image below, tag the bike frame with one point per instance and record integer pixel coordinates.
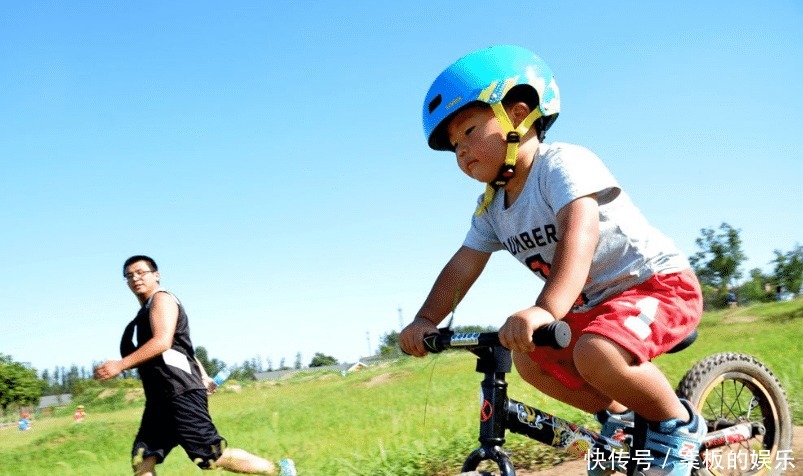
(499, 414)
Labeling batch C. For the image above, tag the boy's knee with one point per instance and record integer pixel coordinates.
(593, 356)
(526, 366)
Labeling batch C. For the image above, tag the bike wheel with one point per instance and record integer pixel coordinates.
(731, 388)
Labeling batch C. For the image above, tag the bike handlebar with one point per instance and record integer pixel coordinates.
(556, 335)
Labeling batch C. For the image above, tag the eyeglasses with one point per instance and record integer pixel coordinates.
(136, 274)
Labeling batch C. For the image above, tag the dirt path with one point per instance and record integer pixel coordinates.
(578, 467)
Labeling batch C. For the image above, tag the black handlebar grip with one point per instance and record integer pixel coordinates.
(431, 343)
(556, 335)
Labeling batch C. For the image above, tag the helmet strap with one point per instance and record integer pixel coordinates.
(513, 137)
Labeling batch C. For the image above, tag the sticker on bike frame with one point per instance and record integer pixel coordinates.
(529, 417)
(567, 436)
(465, 340)
(727, 436)
(570, 437)
(486, 411)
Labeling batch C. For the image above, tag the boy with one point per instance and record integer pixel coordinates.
(176, 385)
(624, 289)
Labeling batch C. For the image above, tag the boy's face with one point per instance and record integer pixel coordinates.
(479, 143)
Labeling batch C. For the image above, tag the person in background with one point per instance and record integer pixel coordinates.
(78, 416)
(176, 405)
(24, 423)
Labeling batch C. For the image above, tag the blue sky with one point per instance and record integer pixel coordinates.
(270, 157)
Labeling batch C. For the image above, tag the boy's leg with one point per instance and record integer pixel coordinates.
(585, 397)
(670, 430)
(611, 370)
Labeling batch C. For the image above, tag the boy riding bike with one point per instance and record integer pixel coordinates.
(624, 289)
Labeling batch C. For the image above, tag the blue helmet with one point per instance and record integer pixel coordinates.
(487, 76)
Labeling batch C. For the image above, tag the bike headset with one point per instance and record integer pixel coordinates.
(487, 76)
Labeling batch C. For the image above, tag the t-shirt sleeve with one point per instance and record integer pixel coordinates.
(573, 172)
(481, 236)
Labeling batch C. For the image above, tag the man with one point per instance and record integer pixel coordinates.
(176, 385)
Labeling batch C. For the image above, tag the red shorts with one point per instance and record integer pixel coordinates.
(647, 320)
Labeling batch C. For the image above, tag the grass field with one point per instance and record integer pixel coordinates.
(408, 417)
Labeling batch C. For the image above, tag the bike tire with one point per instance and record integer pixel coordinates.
(476, 473)
(731, 387)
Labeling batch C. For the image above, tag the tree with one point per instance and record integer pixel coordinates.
(46, 378)
(788, 272)
(212, 366)
(19, 384)
(717, 263)
(297, 364)
(72, 378)
(203, 357)
(389, 345)
(321, 360)
(244, 372)
(282, 365)
(755, 289)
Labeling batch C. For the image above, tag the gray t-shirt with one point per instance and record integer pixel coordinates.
(629, 249)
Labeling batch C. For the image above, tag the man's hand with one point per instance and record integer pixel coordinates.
(109, 369)
(210, 384)
(517, 332)
(411, 339)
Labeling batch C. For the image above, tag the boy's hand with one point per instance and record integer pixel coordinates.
(411, 339)
(517, 332)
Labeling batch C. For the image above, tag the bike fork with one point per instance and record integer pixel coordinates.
(494, 362)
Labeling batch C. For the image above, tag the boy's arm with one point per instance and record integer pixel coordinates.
(579, 225)
(163, 319)
(579, 222)
(449, 289)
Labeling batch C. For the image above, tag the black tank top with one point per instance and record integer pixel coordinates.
(174, 371)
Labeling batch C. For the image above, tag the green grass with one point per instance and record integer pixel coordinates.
(412, 416)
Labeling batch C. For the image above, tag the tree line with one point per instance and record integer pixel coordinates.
(249, 368)
(717, 263)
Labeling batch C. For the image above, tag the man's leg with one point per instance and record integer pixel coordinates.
(241, 461)
(145, 467)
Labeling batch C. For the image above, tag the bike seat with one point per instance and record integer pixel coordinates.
(687, 341)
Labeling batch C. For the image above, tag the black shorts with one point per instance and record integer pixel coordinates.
(182, 420)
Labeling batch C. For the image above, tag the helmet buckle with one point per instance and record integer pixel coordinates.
(505, 174)
(513, 137)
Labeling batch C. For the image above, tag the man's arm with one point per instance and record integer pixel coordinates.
(210, 384)
(163, 320)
